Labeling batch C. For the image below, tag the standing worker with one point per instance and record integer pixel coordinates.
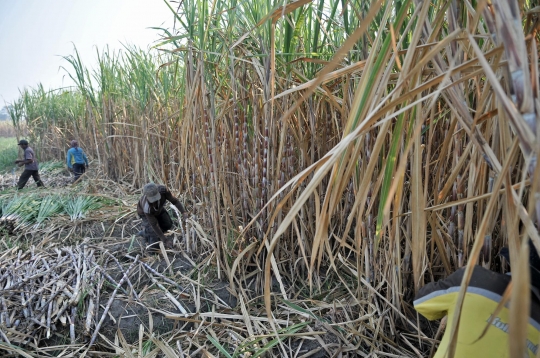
(484, 293)
(77, 161)
(155, 219)
(30, 166)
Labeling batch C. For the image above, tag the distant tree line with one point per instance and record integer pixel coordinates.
(4, 114)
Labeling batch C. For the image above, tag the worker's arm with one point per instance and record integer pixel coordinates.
(434, 299)
(173, 200)
(22, 162)
(85, 158)
(152, 220)
(28, 159)
(68, 158)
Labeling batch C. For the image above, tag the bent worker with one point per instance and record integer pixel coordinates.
(77, 161)
(486, 288)
(155, 219)
(31, 168)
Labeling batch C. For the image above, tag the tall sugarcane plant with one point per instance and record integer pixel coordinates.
(379, 144)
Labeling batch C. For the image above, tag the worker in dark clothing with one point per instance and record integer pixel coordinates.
(77, 161)
(30, 163)
(155, 219)
(486, 288)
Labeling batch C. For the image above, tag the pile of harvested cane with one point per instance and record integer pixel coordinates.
(44, 292)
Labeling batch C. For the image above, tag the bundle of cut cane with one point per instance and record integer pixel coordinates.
(46, 292)
(50, 206)
(19, 210)
(78, 206)
(34, 209)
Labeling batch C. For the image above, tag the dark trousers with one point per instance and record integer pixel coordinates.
(26, 174)
(78, 170)
(165, 223)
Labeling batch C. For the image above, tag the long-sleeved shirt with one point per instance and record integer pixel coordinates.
(485, 291)
(76, 156)
(151, 210)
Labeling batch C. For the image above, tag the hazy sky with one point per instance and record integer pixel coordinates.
(34, 34)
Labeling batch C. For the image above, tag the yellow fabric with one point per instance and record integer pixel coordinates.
(477, 310)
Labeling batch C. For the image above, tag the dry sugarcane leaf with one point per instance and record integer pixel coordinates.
(237, 261)
(164, 347)
(286, 9)
(329, 77)
(126, 348)
(10, 348)
(418, 218)
(500, 306)
(141, 337)
(475, 252)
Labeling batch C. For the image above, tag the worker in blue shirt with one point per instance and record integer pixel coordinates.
(77, 161)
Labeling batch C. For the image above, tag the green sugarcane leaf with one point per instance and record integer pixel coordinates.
(218, 346)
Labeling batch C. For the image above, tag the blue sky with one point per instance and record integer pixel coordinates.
(34, 34)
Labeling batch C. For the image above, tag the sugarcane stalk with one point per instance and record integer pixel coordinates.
(29, 304)
(72, 324)
(89, 316)
(39, 323)
(168, 294)
(25, 306)
(4, 337)
(166, 279)
(113, 281)
(123, 273)
(49, 301)
(510, 33)
(111, 299)
(39, 302)
(370, 236)
(5, 315)
(49, 312)
(65, 306)
(25, 280)
(256, 184)
(98, 291)
(263, 221)
(82, 261)
(77, 289)
(245, 186)
(46, 286)
(460, 221)
(180, 350)
(180, 224)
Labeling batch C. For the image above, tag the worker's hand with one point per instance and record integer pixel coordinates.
(86, 166)
(17, 162)
(185, 216)
(70, 169)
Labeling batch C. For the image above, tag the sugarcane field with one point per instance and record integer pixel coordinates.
(241, 179)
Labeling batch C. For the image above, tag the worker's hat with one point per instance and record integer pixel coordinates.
(151, 191)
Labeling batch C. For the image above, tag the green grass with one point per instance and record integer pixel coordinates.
(8, 153)
(51, 166)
